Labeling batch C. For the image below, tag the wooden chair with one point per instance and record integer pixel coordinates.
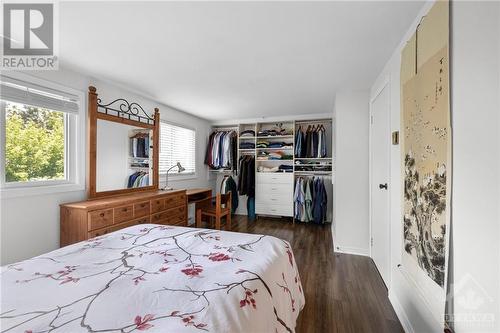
(215, 210)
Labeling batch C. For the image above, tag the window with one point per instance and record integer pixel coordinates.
(177, 144)
(34, 143)
(39, 135)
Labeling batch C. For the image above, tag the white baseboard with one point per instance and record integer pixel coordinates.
(400, 312)
(351, 250)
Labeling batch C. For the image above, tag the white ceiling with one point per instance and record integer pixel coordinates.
(220, 60)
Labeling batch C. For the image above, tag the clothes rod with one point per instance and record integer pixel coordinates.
(306, 122)
(298, 173)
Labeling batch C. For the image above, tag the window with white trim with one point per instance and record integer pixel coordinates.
(39, 134)
(177, 144)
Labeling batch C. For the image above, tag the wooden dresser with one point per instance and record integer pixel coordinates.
(91, 218)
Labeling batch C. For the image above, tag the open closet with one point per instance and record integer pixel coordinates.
(284, 168)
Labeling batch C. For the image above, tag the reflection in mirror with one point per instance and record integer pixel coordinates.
(123, 157)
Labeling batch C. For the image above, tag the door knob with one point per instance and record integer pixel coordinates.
(382, 186)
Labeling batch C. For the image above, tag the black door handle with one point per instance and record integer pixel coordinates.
(382, 186)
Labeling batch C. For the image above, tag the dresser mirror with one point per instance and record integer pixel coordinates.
(123, 141)
(124, 157)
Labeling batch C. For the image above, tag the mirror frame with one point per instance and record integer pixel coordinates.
(125, 113)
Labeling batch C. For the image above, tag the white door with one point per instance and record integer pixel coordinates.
(380, 219)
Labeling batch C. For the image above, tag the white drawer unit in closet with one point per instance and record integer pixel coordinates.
(274, 194)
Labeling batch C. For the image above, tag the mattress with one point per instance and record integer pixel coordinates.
(156, 278)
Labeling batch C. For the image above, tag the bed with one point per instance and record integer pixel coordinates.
(156, 278)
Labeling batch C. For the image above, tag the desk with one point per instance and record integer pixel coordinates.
(195, 195)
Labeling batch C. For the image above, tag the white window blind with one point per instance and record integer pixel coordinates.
(27, 93)
(177, 144)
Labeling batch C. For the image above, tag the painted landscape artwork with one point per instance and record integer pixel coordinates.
(426, 167)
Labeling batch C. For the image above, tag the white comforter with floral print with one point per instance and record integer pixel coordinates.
(157, 279)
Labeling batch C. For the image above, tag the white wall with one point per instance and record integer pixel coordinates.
(30, 224)
(351, 121)
(475, 61)
(475, 38)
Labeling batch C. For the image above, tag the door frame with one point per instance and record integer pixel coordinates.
(385, 83)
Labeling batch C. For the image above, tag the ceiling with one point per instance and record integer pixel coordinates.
(220, 60)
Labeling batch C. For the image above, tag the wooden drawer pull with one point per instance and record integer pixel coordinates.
(101, 215)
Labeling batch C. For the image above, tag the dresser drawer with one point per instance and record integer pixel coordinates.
(141, 209)
(159, 218)
(157, 205)
(271, 199)
(143, 220)
(274, 189)
(171, 216)
(272, 209)
(175, 200)
(99, 232)
(274, 178)
(177, 216)
(124, 213)
(105, 231)
(100, 218)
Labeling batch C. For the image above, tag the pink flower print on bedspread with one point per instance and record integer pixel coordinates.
(218, 257)
(204, 268)
(193, 270)
(142, 323)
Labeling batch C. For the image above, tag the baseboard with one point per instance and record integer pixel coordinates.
(400, 312)
(351, 250)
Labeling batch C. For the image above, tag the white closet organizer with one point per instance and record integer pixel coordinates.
(274, 186)
(273, 145)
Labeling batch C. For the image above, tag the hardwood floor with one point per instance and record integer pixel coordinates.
(344, 293)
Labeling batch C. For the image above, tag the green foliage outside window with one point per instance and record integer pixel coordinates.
(34, 144)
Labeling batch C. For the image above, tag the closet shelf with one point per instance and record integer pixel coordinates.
(313, 173)
(139, 168)
(282, 148)
(247, 137)
(313, 158)
(277, 160)
(276, 137)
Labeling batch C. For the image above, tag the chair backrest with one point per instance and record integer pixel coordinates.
(223, 199)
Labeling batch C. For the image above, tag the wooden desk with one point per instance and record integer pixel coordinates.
(195, 195)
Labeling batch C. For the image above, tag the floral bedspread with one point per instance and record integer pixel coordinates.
(157, 279)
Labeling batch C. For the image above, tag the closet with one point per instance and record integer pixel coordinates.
(139, 158)
(284, 155)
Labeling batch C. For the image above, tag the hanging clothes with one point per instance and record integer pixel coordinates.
(228, 185)
(246, 177)
(222, 150)
(139, 145)
(299, 136)
(299, 199)
(138, 179)
(310, 200)
(311, 143)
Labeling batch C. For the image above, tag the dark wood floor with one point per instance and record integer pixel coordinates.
(344, 293)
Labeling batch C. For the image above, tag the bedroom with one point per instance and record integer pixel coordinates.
(244, 166)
